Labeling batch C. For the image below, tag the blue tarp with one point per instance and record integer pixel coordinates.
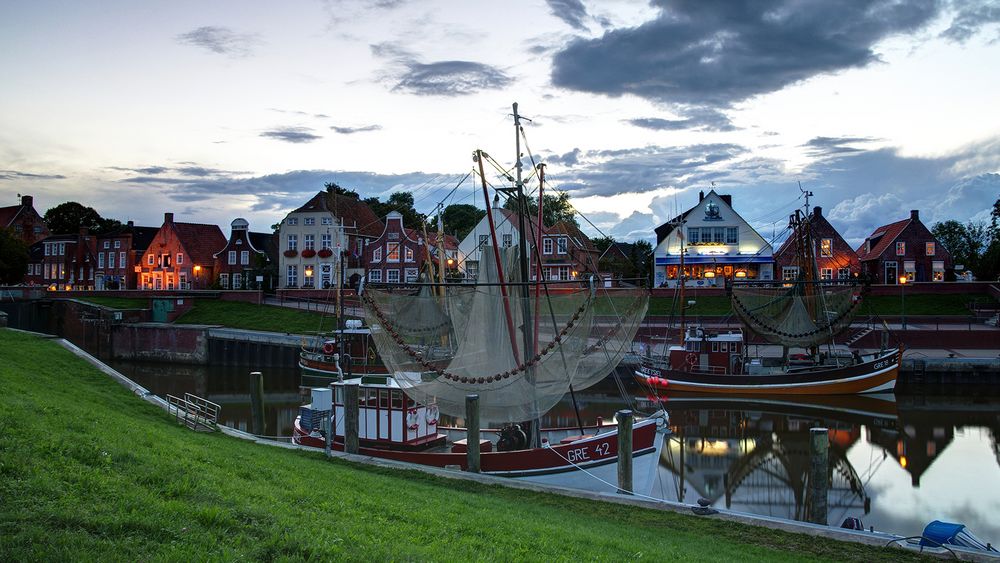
(940, 532)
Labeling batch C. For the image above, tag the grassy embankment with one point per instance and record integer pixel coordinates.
(883, 305)
(90, 472)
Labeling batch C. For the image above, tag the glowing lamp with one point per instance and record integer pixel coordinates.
(902, 461)
(309, 271)
(709, 274)
(741, 274)
(902, 279)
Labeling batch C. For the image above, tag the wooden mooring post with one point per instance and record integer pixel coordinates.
(257, 402)
(819, 475)
(472, 432)
(625, 419)
(351, 418)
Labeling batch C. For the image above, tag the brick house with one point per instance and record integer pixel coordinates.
(180, 256)
(312, 236)
(69, 261)
(397, 255)
(118, 253)
(835, 259)
(904, 248)
(240, 262)
(36, 260)
(567, 253)
(24, 221)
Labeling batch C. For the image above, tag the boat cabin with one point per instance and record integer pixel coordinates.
(709, 352)
(386, 416)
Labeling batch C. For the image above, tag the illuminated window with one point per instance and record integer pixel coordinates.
(900, 248)
(392, 254)
(826, 274)
(826, 247)
(929, 248)
(790, 272)
(408, 254)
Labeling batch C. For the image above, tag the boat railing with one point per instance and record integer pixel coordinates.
(194, 412)
(713, 370)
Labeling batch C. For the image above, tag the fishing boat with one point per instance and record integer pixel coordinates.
(344, 353)
(517, 342)
(804, 313)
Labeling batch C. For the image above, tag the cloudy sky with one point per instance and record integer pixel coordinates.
(226, 109)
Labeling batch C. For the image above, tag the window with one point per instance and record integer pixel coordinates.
(826, 247)
(291, 221)
(118, 244)
(293, 242)
(48, 249)
(790, 272)
(715, 346)
(377, 255)
(37, 229)
(149, 260)
(121, 259)
(826, 274)
(107, 244)
(392, 276)
(843, 273)
(411, 274)
(929, 248)
(375, 276)
(561, 245)
(308, 276)
(564, 273)
(183, 281)
(693, 233)
(232, 258)
(245, 257)
(360, 246)
(100, 259)
(900, 248)
(327, 221)
(180, 258)
(547, 246)
(326, 241)
(408, 254)
(309, 242)
(937, 267)
(62, 249)
(719, 235)
(308, 221)
(507, 240)
(292, 276)
(732, 235)
(482, 241)
(391, 254)
(394, 236)
(224, 281)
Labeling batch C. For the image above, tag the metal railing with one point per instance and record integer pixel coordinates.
(194, 412)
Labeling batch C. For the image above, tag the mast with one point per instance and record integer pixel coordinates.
(680, 278)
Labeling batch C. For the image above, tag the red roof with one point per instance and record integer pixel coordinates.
(201, 241)
(885, 234)
(574, 233)
(351, 212)
(7, 215)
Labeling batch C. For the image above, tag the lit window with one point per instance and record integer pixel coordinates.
(900, 248)
(392, 254)
(826, 247)
(790, 273)
(409, 254)
(826, 274)
(929, 248)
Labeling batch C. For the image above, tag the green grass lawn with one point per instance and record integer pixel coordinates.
(707, 305)
(884, 305)
(90, 472)
(118, 302)
(235, 314)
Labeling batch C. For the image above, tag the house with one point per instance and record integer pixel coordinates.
(904, 249)
(118, 253)
(567, 253)
(24, 221)
(69, 261)
(507, 232)
(36, 264)
(718, 244)
(399, 254)
(328, 233)
(835, 259)
(239, 263)
(180, 256)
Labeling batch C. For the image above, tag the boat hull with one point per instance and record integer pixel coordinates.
(876, 376)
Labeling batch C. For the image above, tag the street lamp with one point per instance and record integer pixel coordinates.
(197, 276)
(902, 299)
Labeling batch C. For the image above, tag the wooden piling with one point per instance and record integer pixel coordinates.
(472, 432)
(625, 418)
(819, 475)
(351, 418)
(257, 402)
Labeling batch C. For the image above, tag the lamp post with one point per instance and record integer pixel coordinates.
(902, 299)
(197, 276)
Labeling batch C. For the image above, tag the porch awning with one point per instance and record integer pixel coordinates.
(675, 260)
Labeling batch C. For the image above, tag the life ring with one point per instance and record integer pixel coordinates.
(692, 359)
(411, 419)
(329, 348)
(432, 415)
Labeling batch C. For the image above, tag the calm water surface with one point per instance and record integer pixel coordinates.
(897, 465)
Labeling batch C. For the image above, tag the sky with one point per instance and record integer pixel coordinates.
(220, 110)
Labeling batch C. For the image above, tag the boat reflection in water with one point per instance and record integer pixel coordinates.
(752, 455)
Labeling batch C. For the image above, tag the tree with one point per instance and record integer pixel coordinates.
(334, 188)
(460, 219)
(401, 202)
(67, 218)
(555, 208)
(13, 258)
(642, 259)
(955, 238)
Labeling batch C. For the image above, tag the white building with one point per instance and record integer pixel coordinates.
(506, 223)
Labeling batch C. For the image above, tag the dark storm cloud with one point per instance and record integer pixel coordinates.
(829, 146)
(970, 17)
(292, 134)
(442, 78)
(698, 119)
(17, 175)
(718, 53)
(220, 40)
(572, 12)
(351, 130)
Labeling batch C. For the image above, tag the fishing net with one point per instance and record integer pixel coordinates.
(796, 314)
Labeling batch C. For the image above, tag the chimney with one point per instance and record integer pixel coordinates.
(701, 196)
(817, 211)
(130, 224)
(27, 201)
(914, 215)
(496, 201)
(728, 199)
(168, 218)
